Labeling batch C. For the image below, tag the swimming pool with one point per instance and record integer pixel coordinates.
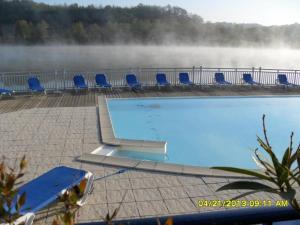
(206, 131)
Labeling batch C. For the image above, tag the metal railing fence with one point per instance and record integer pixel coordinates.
(63, 79)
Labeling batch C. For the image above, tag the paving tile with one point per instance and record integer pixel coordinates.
(117, 184)
(215, 187)
(126, 210)
(167, 181)
(190, 180)
(214, 180)
(152, 208)
(98, 197)
(173, 192)
(139, 174)
(184, 205)
(90, 212)
(147, 194)
(138, 183)
(119, 196)
(198, 190)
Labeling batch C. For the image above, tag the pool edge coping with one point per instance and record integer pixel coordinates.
(153, 166)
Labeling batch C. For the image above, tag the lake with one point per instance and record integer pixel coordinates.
(92, 58)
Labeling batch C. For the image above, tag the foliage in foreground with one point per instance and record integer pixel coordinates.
(10, 202)
(280, 175)
(69, 199)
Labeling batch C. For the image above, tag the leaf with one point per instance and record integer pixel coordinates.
(283, 175)
(295, 155)
(268, 149)
(248, 185)
(20, 175)
(73, 197)
(55, 222)
(265, 146)
(286, 158)
(115, 213)
(82, 186)
(22, 199)
(23, 163)
(267, 166)
(107, 217)
(259, 163)
(295, 178)
(10, 181)
(244, 172)
(169, 221)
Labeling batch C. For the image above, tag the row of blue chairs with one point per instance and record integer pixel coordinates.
(132, 81)
(161, 80)
(248, 79)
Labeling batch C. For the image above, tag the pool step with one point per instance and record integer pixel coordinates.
(104, 150)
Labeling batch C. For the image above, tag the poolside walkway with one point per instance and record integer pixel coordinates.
(55, 130)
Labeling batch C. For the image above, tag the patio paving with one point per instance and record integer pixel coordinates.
(55, 136)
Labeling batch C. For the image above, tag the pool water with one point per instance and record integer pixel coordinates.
(206, 131)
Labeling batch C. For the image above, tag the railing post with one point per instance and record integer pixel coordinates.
(55, 78)
(295, 77)
(176, 82)
(86, 78)
(141, 77)
(278, 71)
(29, 75)
(252, 74)
(235, 75)
(193, 74)
(200, 81)
(259, 75)
(64, 77)
(2, 79)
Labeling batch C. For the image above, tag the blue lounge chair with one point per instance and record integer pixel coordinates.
(220, 79)
(247, 78)
(6, 92)
(161, 80)
(282, 80)
(46, 189)
(35, 85)
(133, 82)
(79, 82)
(185, 79)
(101, 81)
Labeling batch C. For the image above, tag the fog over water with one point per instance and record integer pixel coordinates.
(93, 58)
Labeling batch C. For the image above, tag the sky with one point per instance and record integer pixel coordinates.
(265, 12)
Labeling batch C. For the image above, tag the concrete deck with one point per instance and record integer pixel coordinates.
(50, 134)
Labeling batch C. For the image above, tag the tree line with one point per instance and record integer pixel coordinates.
(28, 22)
